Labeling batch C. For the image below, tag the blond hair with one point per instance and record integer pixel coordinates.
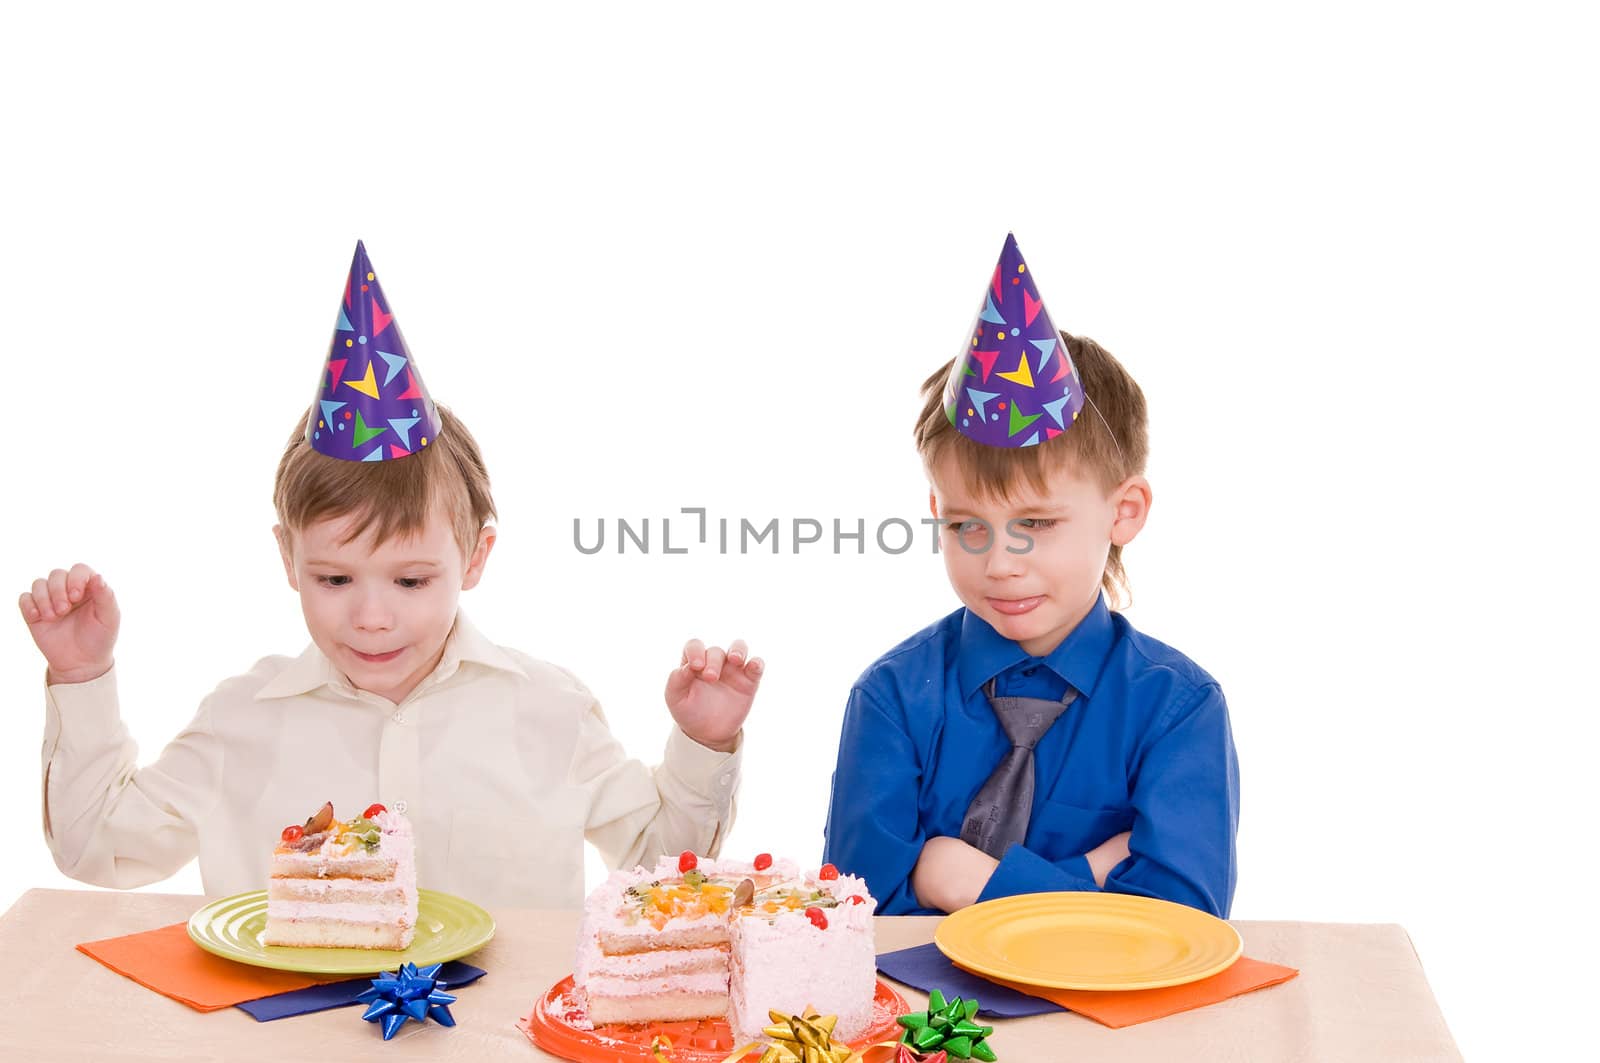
(1110, 445)
(391, 498)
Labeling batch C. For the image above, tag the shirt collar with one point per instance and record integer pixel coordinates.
(312, 669)
(983, 653)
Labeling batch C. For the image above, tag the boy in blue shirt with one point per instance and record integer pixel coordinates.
(1033, 740)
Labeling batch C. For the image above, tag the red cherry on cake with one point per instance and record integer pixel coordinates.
(293, 833)
(763, 861)
(818, 920)
(828, 873)
(373, 810)
(855, 898)
(686, 862)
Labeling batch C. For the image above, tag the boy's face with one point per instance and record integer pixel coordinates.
(1034, 597)
(381, 611)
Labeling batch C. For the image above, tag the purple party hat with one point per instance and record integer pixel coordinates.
(1013, 385)
(371, 404)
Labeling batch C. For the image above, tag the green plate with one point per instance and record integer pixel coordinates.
(447, 929)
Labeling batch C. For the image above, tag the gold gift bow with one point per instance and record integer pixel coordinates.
(805, 1038)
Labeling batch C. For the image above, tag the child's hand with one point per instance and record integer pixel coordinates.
(1107, 855)
(73, 618)
(950, 874)
(711, 692)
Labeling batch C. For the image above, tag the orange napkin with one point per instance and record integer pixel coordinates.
(1128, 1007)
(168, 962)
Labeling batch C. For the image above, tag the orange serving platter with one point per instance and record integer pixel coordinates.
(557, 1026)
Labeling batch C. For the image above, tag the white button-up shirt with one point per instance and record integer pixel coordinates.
(503, 763)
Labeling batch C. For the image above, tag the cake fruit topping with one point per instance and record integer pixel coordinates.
(322, 820)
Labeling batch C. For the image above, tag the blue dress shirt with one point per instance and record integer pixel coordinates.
(1146, 748)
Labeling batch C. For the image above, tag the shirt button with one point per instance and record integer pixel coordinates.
(726, 779)
(1030, 671)
(400, 716)
(400, 806)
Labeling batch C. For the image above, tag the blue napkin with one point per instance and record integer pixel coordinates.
(341, 994)
(924, 967)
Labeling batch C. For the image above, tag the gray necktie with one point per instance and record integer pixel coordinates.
(999, 815)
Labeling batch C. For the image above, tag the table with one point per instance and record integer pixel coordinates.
(1361, 995)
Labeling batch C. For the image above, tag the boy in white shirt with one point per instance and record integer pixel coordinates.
(503, 763)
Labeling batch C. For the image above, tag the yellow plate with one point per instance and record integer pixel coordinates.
(447, 929)
(1088, 941)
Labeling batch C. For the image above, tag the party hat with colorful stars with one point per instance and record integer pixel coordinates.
(1013, 385)
(371, 404)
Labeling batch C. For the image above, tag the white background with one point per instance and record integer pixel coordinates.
(1351, 257)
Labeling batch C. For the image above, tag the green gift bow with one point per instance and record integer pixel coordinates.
(947, 1026)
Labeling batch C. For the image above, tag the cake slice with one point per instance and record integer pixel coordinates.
(653, 944)
(341, 885)
(724, 939)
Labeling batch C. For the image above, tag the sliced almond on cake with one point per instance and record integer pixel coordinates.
(322, 820)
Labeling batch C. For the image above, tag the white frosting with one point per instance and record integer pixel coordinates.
(335, 890)
(658, 962)
(341, 913)
(700, 982)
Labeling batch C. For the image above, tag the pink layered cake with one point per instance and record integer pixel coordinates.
(727, 939)
(339, 885)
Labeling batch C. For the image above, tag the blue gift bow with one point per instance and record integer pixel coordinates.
(409, 993)
(341, 994)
